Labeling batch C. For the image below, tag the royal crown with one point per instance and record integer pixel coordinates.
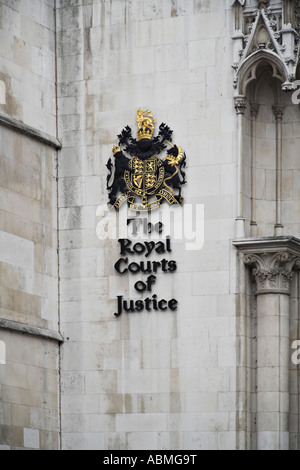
(116, 149)
(145, 122)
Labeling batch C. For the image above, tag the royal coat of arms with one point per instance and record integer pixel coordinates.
(144, 180)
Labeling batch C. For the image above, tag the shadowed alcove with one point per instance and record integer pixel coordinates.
(271, 167)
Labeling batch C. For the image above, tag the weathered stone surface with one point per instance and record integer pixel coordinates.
(72, 75)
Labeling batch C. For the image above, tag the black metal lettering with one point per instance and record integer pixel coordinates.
(124, 245)
(118, 263)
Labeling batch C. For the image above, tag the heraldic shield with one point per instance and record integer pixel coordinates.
(145, 181)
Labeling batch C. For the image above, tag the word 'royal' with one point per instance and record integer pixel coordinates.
(144, 248)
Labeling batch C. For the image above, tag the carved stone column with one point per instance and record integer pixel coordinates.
(240, 103)
(278, 112)
(272, 262)
(254, 111)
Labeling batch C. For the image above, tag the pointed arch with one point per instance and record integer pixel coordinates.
(248, 70)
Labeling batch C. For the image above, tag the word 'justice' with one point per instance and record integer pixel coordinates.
(125, 265)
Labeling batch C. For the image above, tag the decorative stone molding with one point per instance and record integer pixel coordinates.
(268, 31)
(42, 333)
(279, 112)
(240, 104)
(254, 108)
(271, 273)
(262, 3)
(273, 261)
(29, 131)
(238, 4)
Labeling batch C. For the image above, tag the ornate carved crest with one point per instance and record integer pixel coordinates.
(145, 181)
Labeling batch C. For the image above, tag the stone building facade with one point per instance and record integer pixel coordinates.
(221, 370)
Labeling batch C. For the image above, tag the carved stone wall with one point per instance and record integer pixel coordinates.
(266, 52)
(267, 138)
(29, 329)
(271, 28)
(268, 332)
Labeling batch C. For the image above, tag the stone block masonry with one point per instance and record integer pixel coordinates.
(29, 327)
(211, 371)
(141, 378)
